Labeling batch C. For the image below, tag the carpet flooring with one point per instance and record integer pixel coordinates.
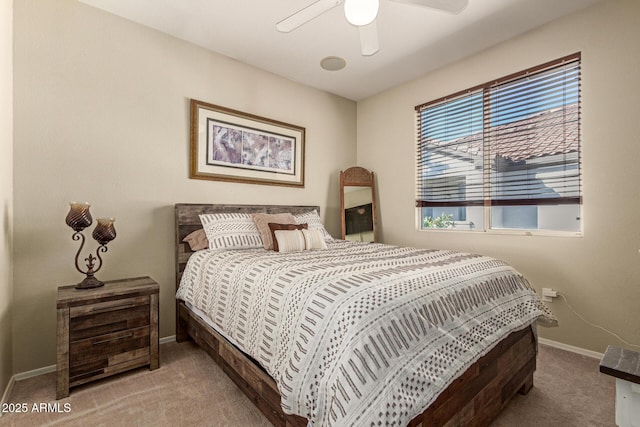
(190, 390)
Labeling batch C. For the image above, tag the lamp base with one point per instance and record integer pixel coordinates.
(89, 282)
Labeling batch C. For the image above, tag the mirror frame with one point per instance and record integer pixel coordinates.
(358, 177)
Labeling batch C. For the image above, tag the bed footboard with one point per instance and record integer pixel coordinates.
(480, 394)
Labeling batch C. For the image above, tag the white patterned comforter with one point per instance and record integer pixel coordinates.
(361, 334)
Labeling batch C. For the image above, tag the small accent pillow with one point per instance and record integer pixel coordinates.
(289, 240)
(313, 239)
(284, 227)
(262, 221)
(197, 240)
(231, 231)
(315, 223)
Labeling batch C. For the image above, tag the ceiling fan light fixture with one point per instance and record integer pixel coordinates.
(361, 12)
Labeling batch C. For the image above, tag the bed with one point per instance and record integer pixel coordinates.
(474, 396)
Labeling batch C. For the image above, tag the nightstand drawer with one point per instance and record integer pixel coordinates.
(107, 306)
(105, 347)
(93, 325)
(101, 368)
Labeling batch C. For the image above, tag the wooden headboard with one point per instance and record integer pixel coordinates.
(187, 221)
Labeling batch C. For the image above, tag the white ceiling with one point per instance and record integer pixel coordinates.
(413, 40)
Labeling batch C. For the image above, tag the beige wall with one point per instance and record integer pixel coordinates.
(6, 187)
(600, 272)
(101, 115)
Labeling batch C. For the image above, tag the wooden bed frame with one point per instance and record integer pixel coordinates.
(473, 399)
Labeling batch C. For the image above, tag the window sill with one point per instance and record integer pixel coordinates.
(507, 232)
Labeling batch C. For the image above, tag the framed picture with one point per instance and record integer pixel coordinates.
(229, 145)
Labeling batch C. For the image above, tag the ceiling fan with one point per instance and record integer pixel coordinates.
(362, 14)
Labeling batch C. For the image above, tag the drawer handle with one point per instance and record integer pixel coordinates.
(113, 339)
(113, 307)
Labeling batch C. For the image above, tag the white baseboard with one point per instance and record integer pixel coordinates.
(7, 392)
(567, 347)
(170, 338)
(34, 373)
(23, 376)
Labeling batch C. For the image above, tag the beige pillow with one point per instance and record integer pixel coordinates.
(262, 221)
(197, 240)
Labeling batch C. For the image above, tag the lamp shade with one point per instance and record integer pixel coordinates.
(361, 12)
(79, 216)
(104, 231)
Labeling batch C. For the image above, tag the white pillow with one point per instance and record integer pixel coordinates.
(313, 239)
(231, 231)
(298, 240)
(289, 240)
(315, 223)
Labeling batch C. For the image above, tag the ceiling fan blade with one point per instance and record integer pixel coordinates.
(369, 38)
(451, 6)
(305, 15)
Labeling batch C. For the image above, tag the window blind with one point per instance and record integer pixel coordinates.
(514, 141)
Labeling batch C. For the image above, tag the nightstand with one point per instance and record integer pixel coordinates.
(107, 330)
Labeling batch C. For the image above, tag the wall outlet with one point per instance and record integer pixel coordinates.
(548, 294)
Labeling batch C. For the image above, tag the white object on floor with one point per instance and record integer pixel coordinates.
(627, 403)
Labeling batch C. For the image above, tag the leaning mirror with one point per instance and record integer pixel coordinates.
(358, 205)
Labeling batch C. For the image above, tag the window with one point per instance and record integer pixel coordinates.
(503, 155)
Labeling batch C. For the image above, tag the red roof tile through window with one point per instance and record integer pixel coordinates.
(546, 133)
